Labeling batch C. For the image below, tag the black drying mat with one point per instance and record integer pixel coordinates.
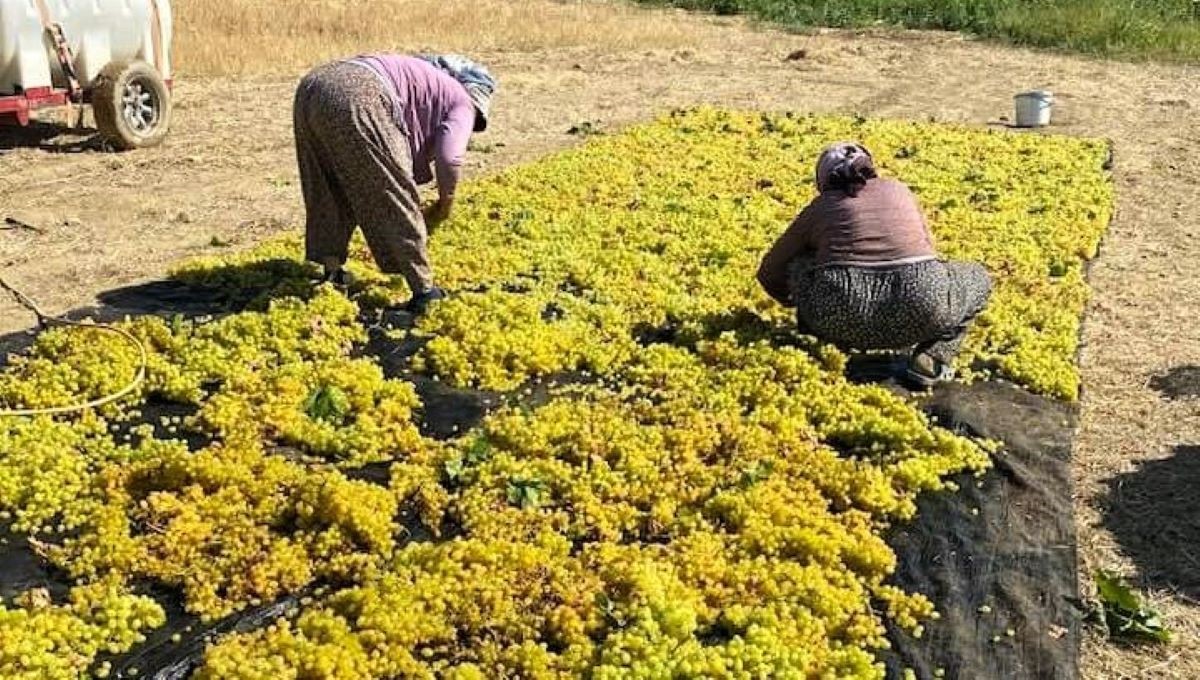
(997, 558)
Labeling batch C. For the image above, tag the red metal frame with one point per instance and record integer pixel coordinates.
(15, 108)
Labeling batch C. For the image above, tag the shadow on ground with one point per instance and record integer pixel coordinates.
(1180, 382)
(1154, 513)
(51, 138)
(213, 293)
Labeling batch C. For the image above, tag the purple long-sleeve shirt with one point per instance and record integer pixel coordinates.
(435, 112)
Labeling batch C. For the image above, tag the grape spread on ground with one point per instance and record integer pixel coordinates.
(707, 498)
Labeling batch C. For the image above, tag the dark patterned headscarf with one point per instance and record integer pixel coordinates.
(844, 166)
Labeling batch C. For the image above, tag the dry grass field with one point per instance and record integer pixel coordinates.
(222, 38)
(227, 176)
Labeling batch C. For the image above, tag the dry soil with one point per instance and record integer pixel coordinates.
(227, 176)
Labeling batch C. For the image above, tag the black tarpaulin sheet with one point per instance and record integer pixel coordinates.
(998, 558)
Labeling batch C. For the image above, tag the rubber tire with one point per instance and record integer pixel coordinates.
(107, 106)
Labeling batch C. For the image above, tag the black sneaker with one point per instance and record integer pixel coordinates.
(419, 303)
(924, 371)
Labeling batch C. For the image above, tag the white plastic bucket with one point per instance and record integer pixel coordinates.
(1033, 108)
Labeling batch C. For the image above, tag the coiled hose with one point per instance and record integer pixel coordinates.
(46, 321)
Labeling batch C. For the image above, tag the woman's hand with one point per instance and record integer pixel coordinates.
(436, 213)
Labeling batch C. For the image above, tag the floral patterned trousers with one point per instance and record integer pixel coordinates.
(356, 169)
(925, 306)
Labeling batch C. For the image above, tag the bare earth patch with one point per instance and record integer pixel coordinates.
(226, 178)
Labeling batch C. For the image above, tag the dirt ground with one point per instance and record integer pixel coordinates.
(227, 176)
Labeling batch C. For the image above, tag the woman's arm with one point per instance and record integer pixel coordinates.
(773, 272)
(915, 207)
(449, 151)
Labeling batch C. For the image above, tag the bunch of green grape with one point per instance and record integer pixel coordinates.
(231, 526)
(340, 409)
(44, 640)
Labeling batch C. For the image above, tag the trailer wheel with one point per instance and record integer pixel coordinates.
(131, 104)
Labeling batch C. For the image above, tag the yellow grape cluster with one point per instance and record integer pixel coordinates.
(47, 472)
(234, 524)
(192, 355)
(41, 640)
(231, 526)
(649, 527)
(70, 365)
(373, 422)
(501, 339)
(711, 503)
(271, 271)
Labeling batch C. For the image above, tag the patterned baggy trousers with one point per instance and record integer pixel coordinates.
(356, 169)
(924, 306)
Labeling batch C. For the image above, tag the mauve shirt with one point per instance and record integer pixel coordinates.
(434, 111)
(881, 226)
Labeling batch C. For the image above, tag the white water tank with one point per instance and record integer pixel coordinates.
(98, 32)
